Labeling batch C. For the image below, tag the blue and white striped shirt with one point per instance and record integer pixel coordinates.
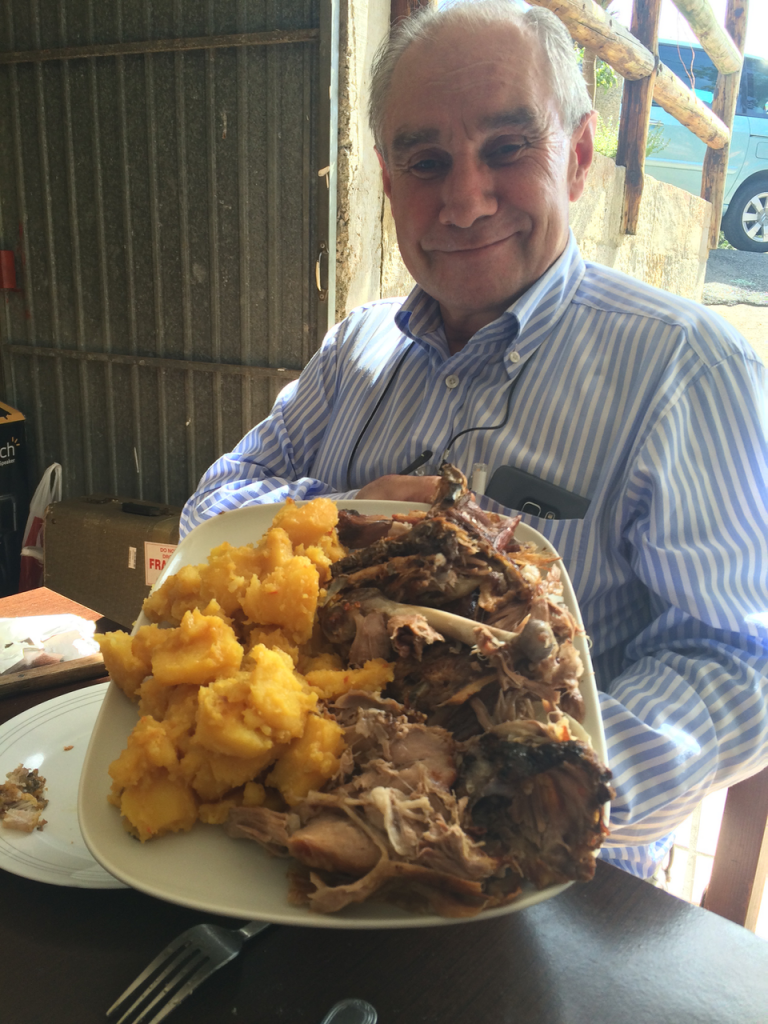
(647, 404)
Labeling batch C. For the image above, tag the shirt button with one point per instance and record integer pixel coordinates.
(515, 357)
(452, 381)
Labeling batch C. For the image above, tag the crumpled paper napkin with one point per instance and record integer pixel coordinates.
(38, 640)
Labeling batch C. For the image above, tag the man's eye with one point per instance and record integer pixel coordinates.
(428, 167)
(505, 153)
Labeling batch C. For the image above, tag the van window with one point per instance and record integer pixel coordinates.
(756, 93)
(692, 66)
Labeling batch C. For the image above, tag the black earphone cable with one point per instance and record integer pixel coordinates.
(467, 430)
(493, 426)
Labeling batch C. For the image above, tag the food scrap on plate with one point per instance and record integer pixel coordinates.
(392, 702)
(22, 801)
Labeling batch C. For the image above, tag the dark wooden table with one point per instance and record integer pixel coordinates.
(615, 951)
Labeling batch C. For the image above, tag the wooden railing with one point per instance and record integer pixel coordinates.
(634, 55)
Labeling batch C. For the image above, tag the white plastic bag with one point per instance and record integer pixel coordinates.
(48, 490)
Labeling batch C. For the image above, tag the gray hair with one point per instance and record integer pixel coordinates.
(568, 86)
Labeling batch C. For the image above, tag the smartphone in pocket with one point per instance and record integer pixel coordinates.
(526, 493)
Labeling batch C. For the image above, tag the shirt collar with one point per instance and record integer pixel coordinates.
(528, 319)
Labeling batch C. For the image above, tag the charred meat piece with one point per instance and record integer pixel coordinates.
(536, 800)
(410, 633)
(359, 531)
(436, 557)
(443, 676)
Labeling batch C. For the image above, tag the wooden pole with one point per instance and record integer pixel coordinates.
(595, 29)
(404, 8)
(592, 27)
(635, 115)
(736, 867)
(725, 55)
(724, 105)
(679, 101)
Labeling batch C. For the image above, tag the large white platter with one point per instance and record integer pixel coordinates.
(206, 870)
(53, 737)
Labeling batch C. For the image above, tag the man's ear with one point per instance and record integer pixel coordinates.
(387, 182)
(582, 149)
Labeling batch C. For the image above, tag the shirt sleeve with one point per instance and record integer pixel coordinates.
(274, 460)
(689, 712)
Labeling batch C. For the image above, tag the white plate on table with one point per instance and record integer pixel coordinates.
(39, 738)
(204, 868)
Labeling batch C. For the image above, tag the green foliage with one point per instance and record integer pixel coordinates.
(605, 76)
(607, 138)
(723, 243)
(656, 142)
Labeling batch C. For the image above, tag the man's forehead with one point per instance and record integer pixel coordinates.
(490, 76)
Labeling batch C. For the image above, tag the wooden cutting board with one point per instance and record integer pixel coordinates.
(43, 601)
(28, 679)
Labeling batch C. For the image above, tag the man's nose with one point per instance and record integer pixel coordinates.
(468, 193)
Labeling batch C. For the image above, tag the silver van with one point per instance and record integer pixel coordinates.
(745, 207)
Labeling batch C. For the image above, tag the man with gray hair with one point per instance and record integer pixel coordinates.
(639, 417)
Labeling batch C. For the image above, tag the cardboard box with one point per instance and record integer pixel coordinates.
(14, 496)
(106, 552)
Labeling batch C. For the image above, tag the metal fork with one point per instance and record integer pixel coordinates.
(176, 972)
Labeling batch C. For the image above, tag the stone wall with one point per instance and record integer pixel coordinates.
(670, 249)
(363, 24)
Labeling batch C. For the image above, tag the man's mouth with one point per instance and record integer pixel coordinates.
(466, 247)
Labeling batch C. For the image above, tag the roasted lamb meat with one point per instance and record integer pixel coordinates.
(390, 825)
(470, 774)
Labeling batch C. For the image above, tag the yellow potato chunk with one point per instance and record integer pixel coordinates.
(226, 576)
(214, 608)
(275, 549)
(158, 804)
(306, 524)
(148, 748)
(213, 775)
(122, 665)
(254, 794)
(332, 546)
(221, 727)
(286, 597)
(315, 662)
(247, 714)
(272, 638)
(218, 812)
(318, 558)
(203, 648)
(145, 641)
(310, 760)
(330, 683)
(179, 594)
(174, 706)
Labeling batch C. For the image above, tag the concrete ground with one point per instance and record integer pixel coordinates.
(736, 287)
(751, 322)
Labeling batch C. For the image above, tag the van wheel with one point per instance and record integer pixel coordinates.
(745, 223)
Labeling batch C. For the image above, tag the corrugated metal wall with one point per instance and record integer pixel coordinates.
(166, 214)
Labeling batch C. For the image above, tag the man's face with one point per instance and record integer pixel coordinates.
(478, 169)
